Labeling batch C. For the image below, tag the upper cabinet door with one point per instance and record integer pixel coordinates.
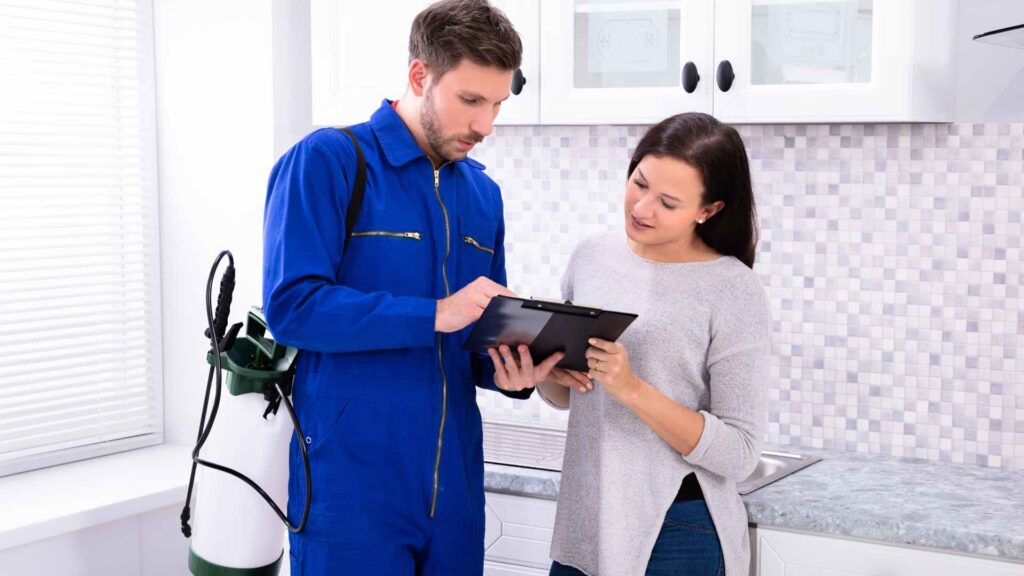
(357, 61)
(640, 61)
(360, 55)
(619, 62)
(524, 107)
(832, 60)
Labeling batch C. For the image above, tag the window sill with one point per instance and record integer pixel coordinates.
(45, 503)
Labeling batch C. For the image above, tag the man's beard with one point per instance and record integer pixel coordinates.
(432, 129)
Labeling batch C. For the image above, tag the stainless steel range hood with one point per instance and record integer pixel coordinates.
(1012, 37)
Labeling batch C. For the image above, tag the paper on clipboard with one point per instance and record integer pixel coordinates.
(546, 327)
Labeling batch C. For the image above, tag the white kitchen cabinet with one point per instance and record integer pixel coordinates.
(618, 62)
(836, 60)
(517, 538)
(784, 553)
(524, 108)
(518, 535)
(360, 55)
(607, 61)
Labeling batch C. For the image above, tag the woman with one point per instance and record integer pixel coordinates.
(669, 419)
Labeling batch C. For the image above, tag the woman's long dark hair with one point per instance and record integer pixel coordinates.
(717, 151)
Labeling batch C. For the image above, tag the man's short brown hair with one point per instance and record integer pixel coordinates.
(447, 31)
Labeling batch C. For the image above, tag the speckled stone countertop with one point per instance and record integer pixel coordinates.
(953, 507)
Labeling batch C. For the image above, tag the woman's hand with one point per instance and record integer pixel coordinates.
(513, 375)
(571, 379)
(609, 366)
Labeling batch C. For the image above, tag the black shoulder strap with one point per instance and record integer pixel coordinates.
(355, 203)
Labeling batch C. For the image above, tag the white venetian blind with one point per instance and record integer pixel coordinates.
(79, 263)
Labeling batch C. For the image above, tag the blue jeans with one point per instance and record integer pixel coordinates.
(687, 545)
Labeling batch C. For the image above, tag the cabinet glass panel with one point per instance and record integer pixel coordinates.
(800, 42)
(626, 44)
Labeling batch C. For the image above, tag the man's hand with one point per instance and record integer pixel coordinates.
(512, 374)
(465, 306)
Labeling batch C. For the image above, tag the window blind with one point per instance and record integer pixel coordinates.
(80, 372)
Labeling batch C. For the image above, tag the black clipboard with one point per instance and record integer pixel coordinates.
(546, 327)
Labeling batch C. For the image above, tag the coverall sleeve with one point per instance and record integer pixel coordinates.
(303, 239)
(483, 366)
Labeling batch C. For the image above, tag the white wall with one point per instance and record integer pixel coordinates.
(232, 95)
(293, 83)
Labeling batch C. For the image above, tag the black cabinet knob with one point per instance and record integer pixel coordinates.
(690, 77)
(724, 76)
(518, 81)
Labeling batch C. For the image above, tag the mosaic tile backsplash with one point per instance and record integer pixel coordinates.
(891, 256)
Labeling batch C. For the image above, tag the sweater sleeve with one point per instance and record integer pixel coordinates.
(737, 372)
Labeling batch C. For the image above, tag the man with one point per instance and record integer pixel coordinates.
(383, 389)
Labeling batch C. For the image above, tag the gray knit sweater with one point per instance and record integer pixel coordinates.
(702, 339)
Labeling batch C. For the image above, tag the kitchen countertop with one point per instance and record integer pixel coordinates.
(953, 507)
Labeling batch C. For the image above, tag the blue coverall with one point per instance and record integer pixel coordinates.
(387, 404)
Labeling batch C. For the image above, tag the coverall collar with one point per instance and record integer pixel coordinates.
(396, 138)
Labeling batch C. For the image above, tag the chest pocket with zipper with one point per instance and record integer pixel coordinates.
(477, 243)
(388, 251)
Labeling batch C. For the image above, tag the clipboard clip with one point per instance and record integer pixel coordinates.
(559, 308)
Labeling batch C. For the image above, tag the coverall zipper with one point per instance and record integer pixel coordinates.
(440, 355)
(472, 242)
(410, 235)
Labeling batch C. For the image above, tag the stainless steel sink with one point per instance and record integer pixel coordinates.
(542, 448)
(774, 466)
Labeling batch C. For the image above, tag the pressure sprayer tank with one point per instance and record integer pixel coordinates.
(234, 528)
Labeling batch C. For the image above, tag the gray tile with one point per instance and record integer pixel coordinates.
(892, 259)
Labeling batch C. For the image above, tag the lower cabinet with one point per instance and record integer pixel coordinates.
(783, 553)
(517, 537)
(518, 533)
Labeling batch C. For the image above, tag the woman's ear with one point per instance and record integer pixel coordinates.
(712, 209)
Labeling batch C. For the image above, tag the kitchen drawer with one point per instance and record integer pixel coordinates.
(518, 530)
(785, 553)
